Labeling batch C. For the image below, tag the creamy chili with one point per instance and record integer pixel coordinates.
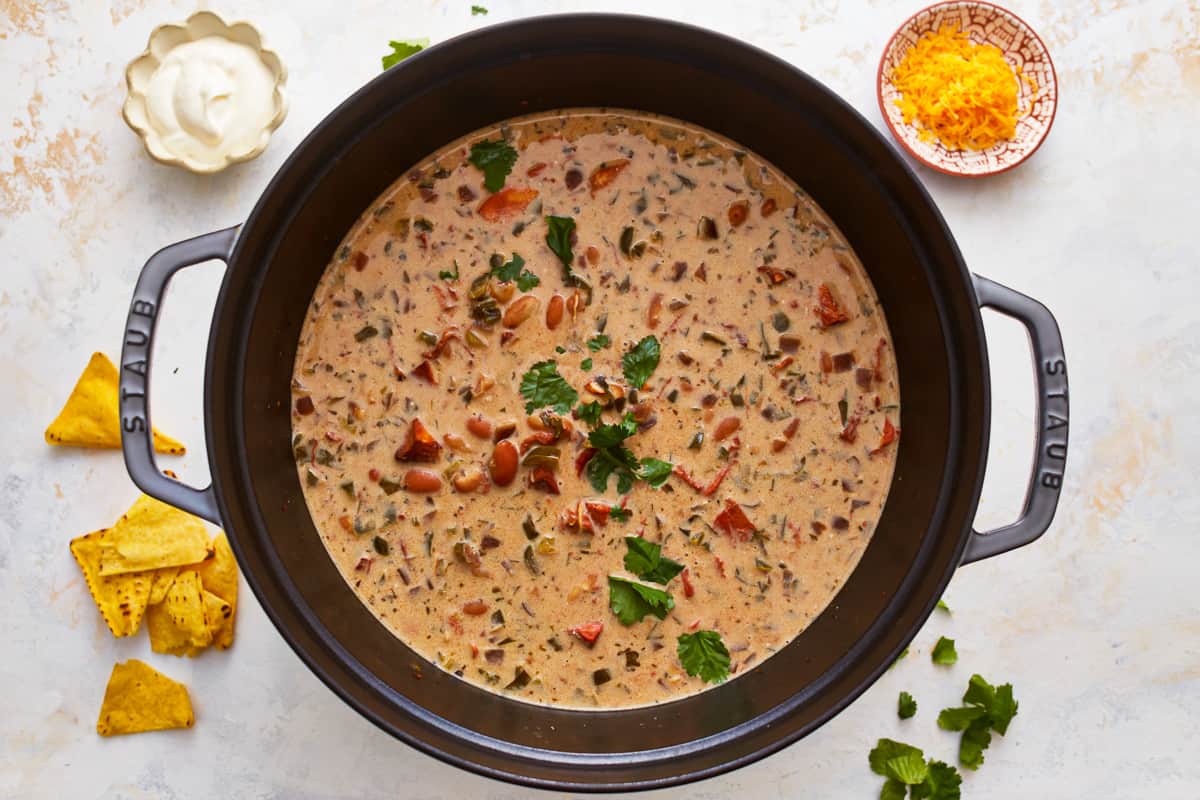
(595, 409)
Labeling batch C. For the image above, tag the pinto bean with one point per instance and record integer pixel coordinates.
(468, 480)
(475, 607)
(503, 465)
(479, 426)
(726, 428)
(554, 311)
(422, 481)
(520, 311)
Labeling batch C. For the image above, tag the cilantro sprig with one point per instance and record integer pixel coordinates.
(987, 708)
(640, 362)
(542, 386)
(703, 653)
(632, 601)
(614, 458)
(589, 413)
(403, 49)
(514, 270)
(495, 160)
(645, 559)
(908, 773)
(906, 706)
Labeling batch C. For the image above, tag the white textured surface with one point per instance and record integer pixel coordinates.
(1097, 625)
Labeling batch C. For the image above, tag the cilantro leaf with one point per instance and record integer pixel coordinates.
(640, 362)
(975, 739)
(402, 50)
(543, 386)
(988, 708)
(598, 342)
(611, 435)
(910, 768)
(655, 471)
(941, 604)
(645, 559)
(1004, 709)
(558, 237)
(589, 413)
(893, 790)
(957, 719)
(944, 652)
(632, 601)
(478, 10)
(906, 706)
(609, 461)
(512, 271)
(495, 160)
(942, 783)
(586, 364)
(703, 653)
(619, 514)
(887, 749)
(447, 275)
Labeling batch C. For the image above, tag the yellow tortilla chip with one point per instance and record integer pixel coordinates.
(163, 578)
(219, 575)
(121, 599)
(218, 615)
(91, 417)
(140, 698)
(152, 535)
(178, 625)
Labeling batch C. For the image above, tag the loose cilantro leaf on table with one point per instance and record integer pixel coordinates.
(988, 708)
(906, 706)
(558, 237)
(514, 271)
(402, 50)
(907, 771)
(589, 413)
(944, 652)
(941, 604)
(542, 386)
(942, 783)
(640, 362)
(598, 342)
(645, 559)
(495, 160)
(703, 653)
(632, 601)
(478, 10)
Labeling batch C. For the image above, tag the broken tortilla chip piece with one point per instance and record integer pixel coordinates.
(218, 616)
(152, 535)
(139, 698)
(178, 625)
(121, 599)
(91, 417)
(219, 575)
(163, 578)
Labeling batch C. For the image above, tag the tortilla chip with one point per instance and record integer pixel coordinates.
(219, 575)
(91, 417)
(121, 599)
(178, 625)
(140, 698)
(152, 535)
(163, 578)
(218, 615)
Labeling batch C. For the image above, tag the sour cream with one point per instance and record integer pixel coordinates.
(210, 99)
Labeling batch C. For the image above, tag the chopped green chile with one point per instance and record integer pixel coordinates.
(611, 228)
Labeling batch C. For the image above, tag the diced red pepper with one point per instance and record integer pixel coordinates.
(543, 478)
(420, 447)
(536, 169)
(606, 173)
(828, 309)
(850, 432)
(890, 434)
(506, 203)
(734, 522)
(425, 372)
(581, 460)
(588, 632)
(540, 437)
(448, 335)
(777, 276)
(688, 588)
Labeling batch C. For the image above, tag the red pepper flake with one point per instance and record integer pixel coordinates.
(421, 446)
(506, 203)
(683, 475)
(720, 565)
(826, 362)
(455, 623)
(734, 522)
(332, 436)
(346, 523)
(688, 588)
(474, 650)
(890, 434)
(540, 437)
(373, 474)
(536, 169)
(783, 364)
(587, 632)
(360, 260)
(695, 624)
(425, 372)
(878, 366)
(850, 432)
(712, 486)
(448, 335)
(446, 301)
(606, 173)
(828, 309)
(584, 457)
(364, 564)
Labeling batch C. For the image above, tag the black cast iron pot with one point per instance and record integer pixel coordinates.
(933, 305)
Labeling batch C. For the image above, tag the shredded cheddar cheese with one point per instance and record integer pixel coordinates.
(963, 93)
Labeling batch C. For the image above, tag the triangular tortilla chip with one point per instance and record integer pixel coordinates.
(91, 417)
(140, 698)
(219, 575)
(152, 535)
(178, 625)
(121, 599)
(163, 578)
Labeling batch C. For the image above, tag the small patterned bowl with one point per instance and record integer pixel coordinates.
(984, 23)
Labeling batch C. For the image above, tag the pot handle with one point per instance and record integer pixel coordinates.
(1050, 453)
(137, 442)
